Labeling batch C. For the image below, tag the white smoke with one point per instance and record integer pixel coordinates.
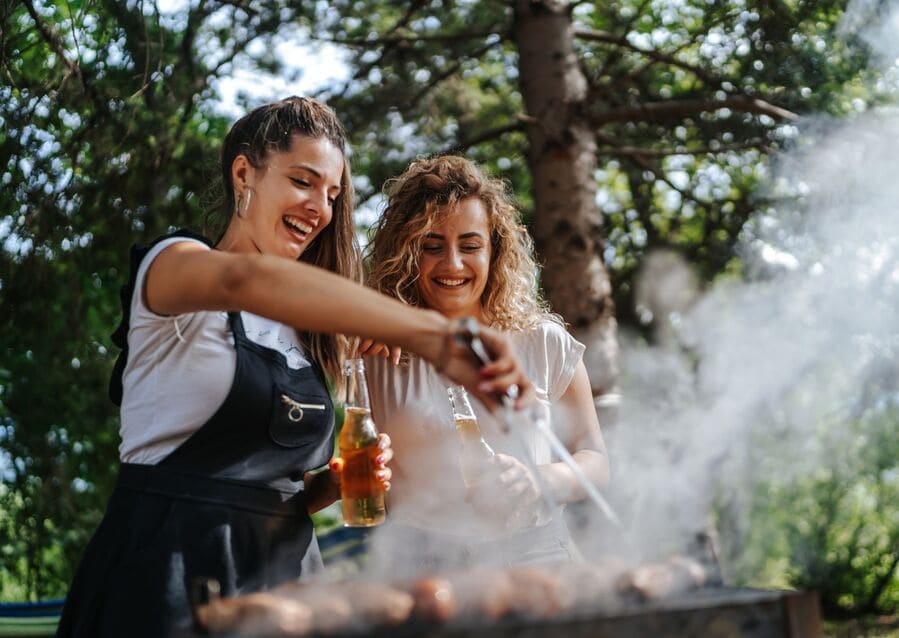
(810, 342)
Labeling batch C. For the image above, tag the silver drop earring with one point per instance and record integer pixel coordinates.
(246, 204)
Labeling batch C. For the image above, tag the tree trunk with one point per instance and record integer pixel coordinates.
(568, 226)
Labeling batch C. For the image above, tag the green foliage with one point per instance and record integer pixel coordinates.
(833, 528)
(103, 144)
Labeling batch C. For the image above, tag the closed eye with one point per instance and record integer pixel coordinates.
(300, 182)
(432, 248)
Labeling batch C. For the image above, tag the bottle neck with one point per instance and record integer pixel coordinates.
(460, 404)
(356, 386)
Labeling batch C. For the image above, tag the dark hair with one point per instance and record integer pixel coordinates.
(271, 128)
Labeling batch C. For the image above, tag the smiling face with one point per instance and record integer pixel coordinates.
(292, 197)
(454, 264)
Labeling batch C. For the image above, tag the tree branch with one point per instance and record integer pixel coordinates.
(485, 136)
(654, 111)
(453, 68)
(406, 39)
(703, 150)
(609, 38)
(646, 165)
(52, 38)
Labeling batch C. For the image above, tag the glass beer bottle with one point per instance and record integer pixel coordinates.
(362, 497)
(474, 453)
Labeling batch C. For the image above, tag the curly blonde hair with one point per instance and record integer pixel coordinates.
(427, 191)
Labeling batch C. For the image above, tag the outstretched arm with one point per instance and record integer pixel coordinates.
(186, 277)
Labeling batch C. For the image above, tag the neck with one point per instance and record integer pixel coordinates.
(235, 240)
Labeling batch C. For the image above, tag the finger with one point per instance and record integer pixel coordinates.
(384, 475)
(520, 488)
(502, 462)
(395, 354)
(527, 394)
(335, 465)
(364, 345)
(511, 476)
(524, 390)
(379, 350)
(498, 367)
(386, 451)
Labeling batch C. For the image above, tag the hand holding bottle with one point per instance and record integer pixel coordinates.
(383, 473)
(506, 491)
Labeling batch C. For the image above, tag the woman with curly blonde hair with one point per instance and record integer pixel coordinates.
(450, 240)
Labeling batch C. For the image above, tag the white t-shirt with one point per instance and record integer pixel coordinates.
(180, 369)
(410, 403)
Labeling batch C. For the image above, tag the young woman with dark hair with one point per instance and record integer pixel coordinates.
(225, 411)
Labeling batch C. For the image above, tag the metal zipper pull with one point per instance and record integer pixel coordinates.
(295, 413)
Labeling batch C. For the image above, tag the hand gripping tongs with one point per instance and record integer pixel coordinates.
(469, 334)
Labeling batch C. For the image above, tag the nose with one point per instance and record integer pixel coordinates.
(453, 258)
(318, 201)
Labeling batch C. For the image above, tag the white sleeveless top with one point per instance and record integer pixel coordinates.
(180, 369)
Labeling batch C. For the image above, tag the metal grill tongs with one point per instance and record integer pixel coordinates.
(469, 335)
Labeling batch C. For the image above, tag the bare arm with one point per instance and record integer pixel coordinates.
(584, 441)
(186, 277)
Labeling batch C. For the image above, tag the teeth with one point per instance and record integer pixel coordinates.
(449, 282)
(297, 224)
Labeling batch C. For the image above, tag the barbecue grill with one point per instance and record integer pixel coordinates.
(715, 612)
(712, 613)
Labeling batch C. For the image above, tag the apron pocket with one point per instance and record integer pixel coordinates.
(300, 419)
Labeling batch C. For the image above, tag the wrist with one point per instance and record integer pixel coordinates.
(552, 478)
(321, 489)
(431, 339)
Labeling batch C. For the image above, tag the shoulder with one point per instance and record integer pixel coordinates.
(143, 254)
(144, 257)
(550, 356)
(547, 335)
(154, 249)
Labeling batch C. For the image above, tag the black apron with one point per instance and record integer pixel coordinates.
(226, 505)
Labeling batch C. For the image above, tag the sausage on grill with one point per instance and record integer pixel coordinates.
(435, 600)
(652, 581)
(254, 615)
(349, 605)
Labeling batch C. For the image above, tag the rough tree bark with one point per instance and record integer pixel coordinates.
(568, 226)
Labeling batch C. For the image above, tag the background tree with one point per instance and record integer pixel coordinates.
(622, 127)
(108, 137)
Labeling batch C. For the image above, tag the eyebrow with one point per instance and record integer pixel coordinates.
(462, 236)
(308, 168)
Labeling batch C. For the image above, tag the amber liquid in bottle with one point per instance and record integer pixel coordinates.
(475, 453)
(362, 497)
